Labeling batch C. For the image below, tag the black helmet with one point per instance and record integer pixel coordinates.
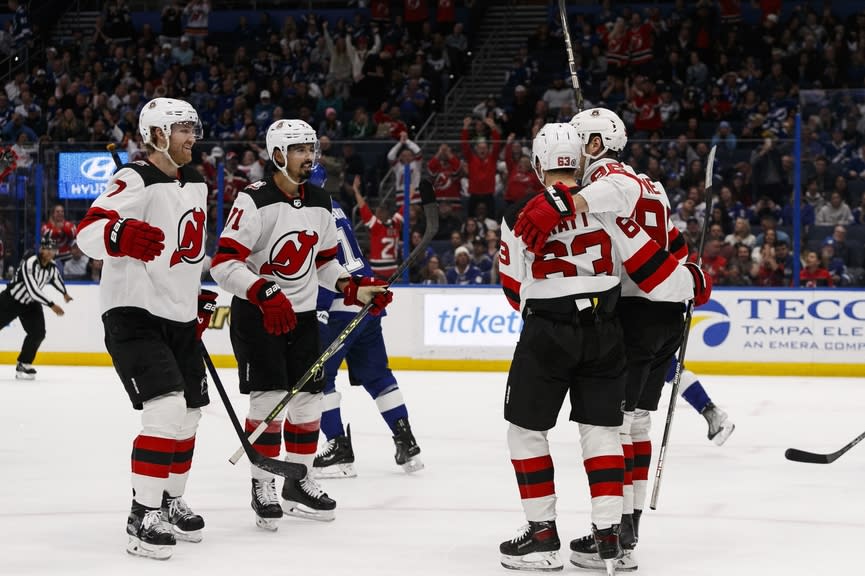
(48, 242)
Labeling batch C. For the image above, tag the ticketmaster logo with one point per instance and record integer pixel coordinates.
(470, 320)
(477, 321)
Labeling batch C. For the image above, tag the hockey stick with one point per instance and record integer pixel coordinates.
(430, 208)
(674, 394)
(112, 147)
(292, 470)
(566, 34)
(814, 458)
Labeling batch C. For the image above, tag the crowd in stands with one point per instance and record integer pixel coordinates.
(698, 75)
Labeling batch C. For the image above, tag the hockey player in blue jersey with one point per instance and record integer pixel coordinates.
(365, 354)
(720, 426)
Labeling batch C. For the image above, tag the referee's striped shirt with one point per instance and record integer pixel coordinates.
(30, 279)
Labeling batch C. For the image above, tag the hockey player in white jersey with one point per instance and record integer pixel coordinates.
(278, 245)
(149, 229)
(653, 329)
(572, 344)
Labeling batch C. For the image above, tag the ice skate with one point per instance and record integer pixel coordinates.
(584, 551)
(407, 449)
(535, 547)
(265, 503)
(25, 371)
(720, 426)
(148, 537)
(305, 499)
(185, 524)
(336, 459)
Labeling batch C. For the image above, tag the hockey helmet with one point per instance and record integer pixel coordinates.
(163, 113)
(47, 241)
(284, 134)
(556, 147)
(603, 122)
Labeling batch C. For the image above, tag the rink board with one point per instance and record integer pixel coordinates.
(766, 332)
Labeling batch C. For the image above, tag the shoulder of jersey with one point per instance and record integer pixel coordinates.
(317, 197)
(150, 174)
(510, 216)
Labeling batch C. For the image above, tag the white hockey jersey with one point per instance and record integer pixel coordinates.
(588, 254)
(167, 286)
(291, 241)
(610, 186)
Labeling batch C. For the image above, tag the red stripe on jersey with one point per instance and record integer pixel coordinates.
(678, 245)
(640, 257)
(301, 438)
(659, 275)
(511, 288)
(537, 490)
(229, 249)
(533, 464)
(95, 214)
(606, 489)
(603, 463)
(325, 256)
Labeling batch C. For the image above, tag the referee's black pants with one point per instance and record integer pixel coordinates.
(32, 320)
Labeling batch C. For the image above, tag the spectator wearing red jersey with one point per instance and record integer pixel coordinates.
(62, 231)
(446, 170)
(714, 264)
(813, 275)
(522, 180)
(481, 160)
(384, 234)
(647, 105)
(641, 41)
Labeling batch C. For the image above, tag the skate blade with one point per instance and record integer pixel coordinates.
(23, 376)
(335, 472)
(723, 433)
(194, 536)
(593, 562)
(269, 524)
(136, 547)
(539, 561)
(301, 511)
(413, 465)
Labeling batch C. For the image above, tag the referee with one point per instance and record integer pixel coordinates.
(24, 298)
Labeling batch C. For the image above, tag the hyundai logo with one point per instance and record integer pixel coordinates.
(98, 168)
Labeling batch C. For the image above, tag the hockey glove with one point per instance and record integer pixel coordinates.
(277, 314)
(543, 213)
(363, 289)
(134, 238)
(702, 284)
(206, 308)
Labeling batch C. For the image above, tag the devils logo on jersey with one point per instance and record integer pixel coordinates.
(190, 238)
(291, 255)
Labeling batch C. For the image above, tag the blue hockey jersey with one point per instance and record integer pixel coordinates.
(350, 256)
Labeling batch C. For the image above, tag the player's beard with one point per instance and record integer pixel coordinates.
(180, 154)
(305, 171)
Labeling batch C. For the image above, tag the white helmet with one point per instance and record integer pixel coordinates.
(163, 113)
(604, 122)
(556, 147)
(284, 134)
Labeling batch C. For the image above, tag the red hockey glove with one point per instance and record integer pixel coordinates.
(543, 213)
(134, 238)
(702, 284)
(206, 308)
(363, 289)
(277, 314)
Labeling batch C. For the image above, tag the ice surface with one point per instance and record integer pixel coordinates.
(741, 509)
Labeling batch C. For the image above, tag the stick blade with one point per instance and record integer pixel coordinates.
(808, 457)
(290, 470)
(427, 192)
